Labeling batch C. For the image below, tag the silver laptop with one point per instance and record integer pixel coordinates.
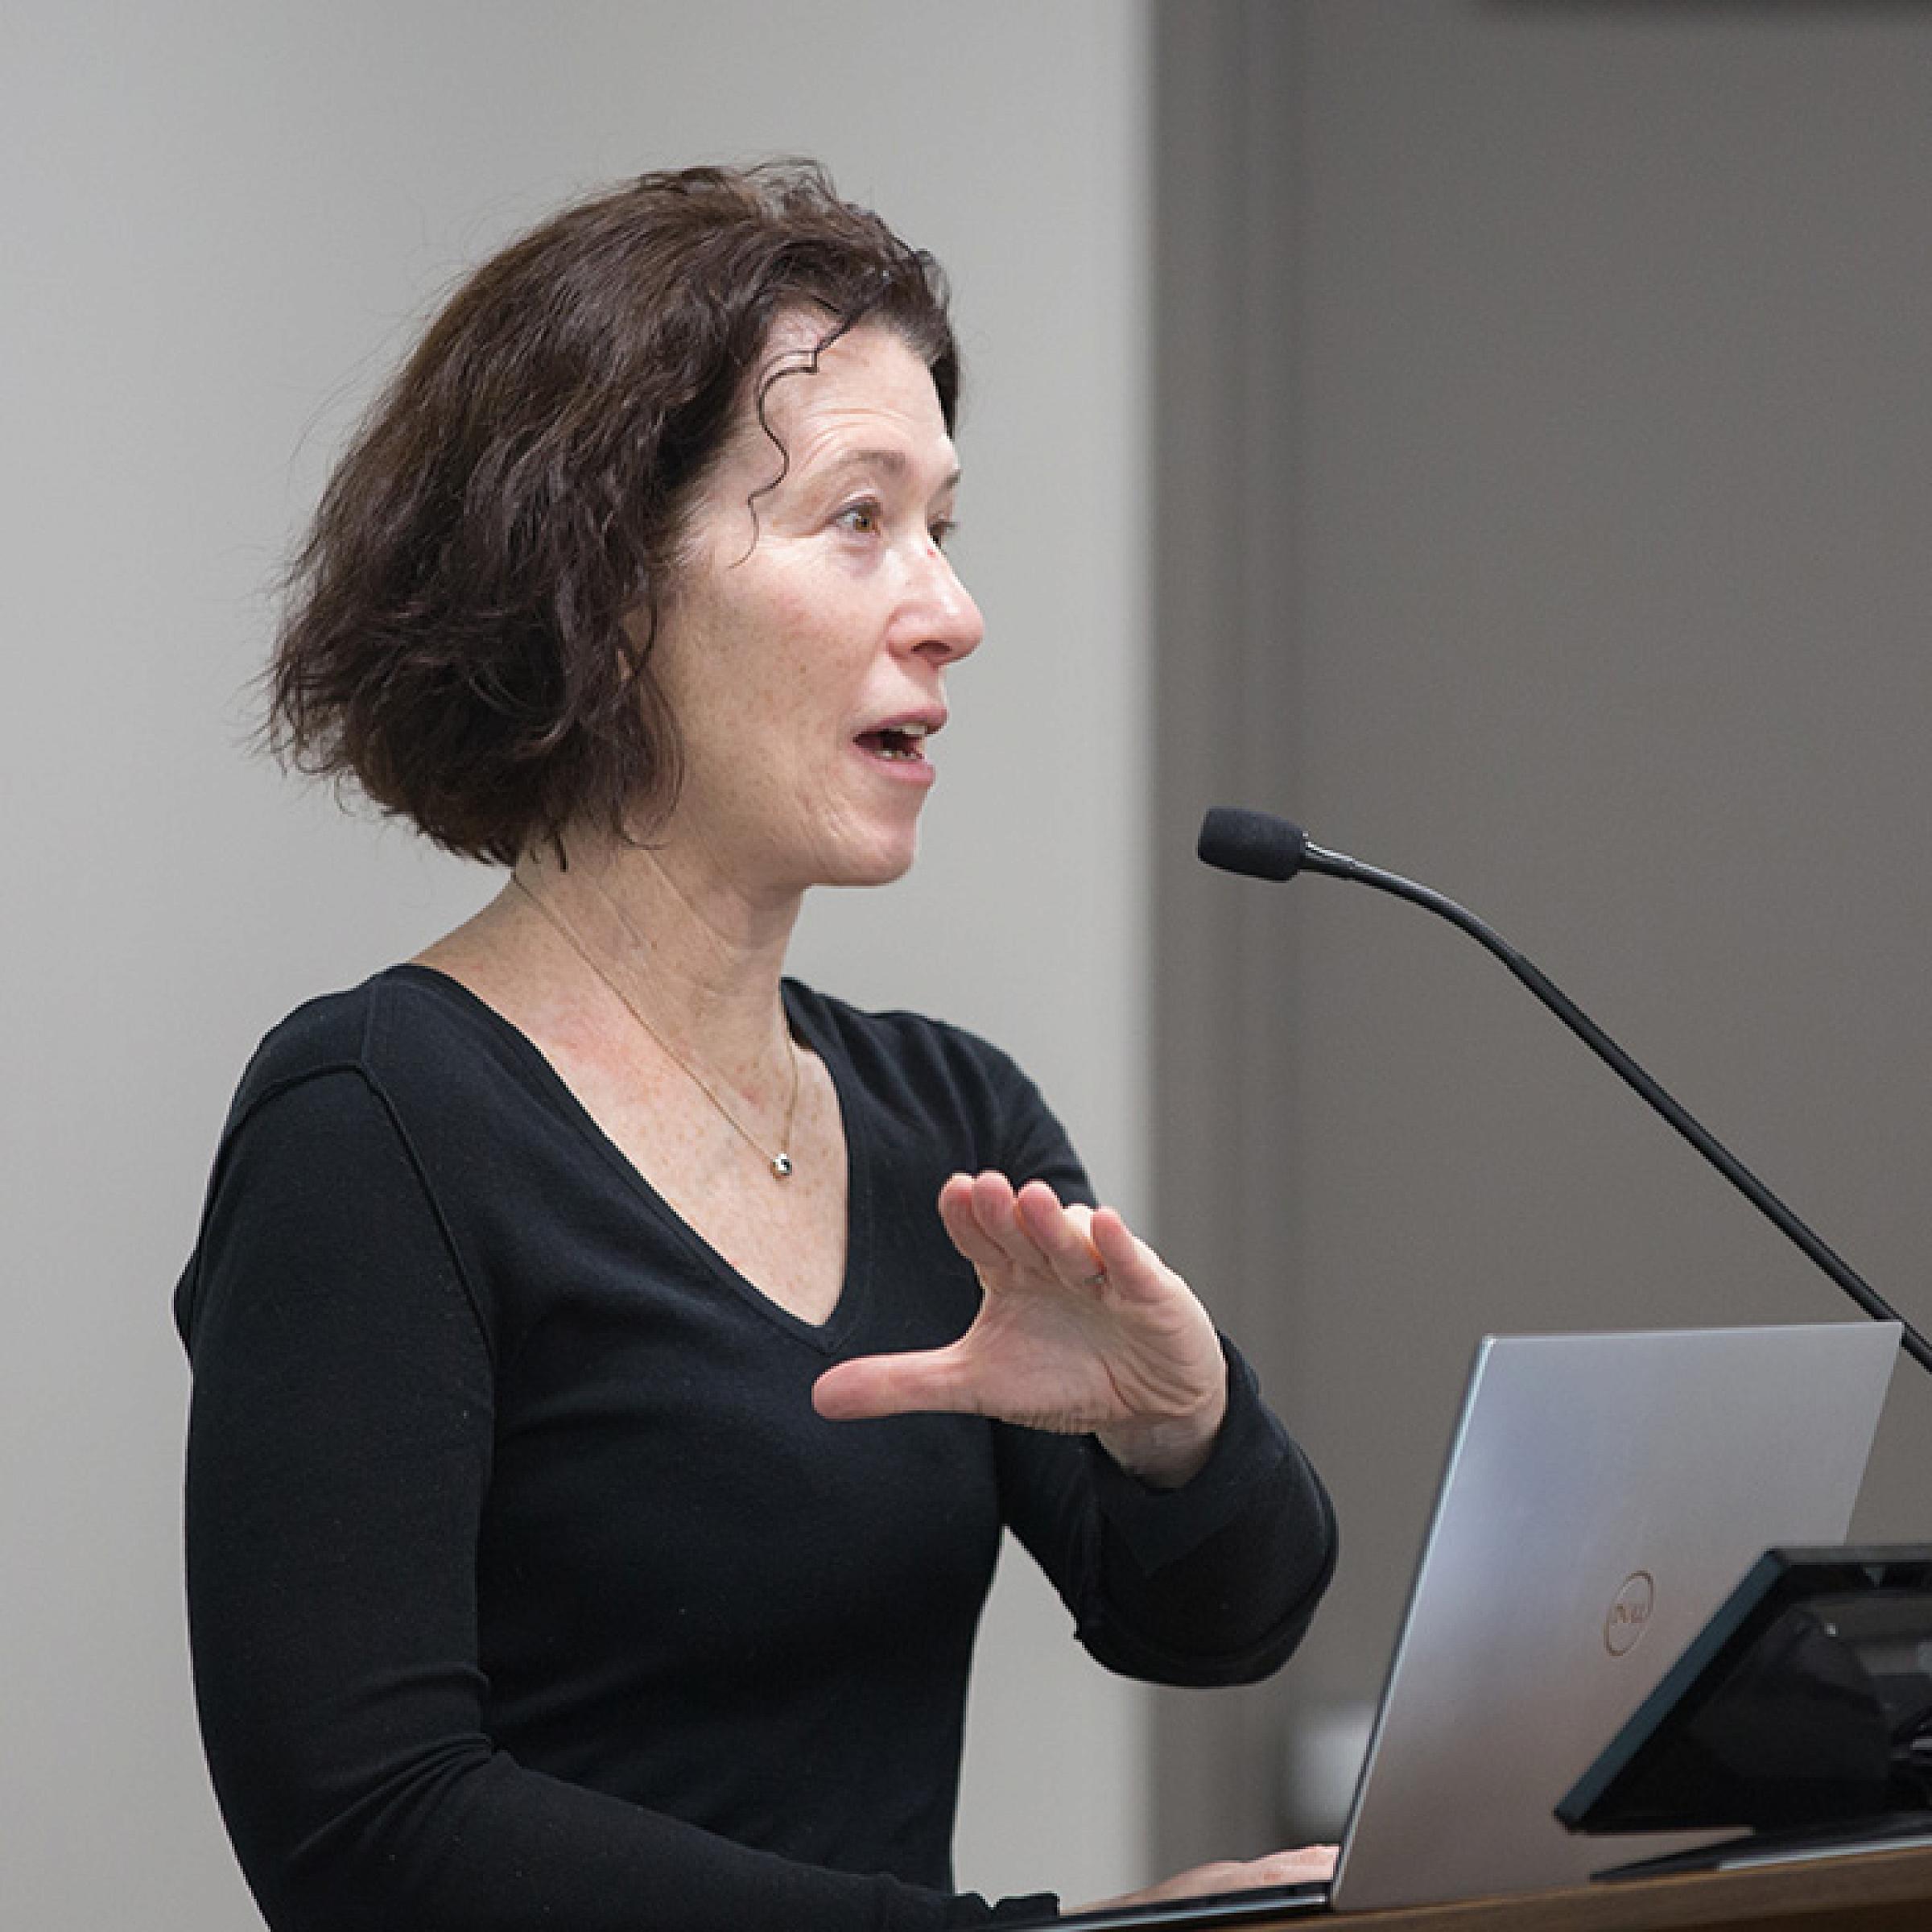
(1602, 1496)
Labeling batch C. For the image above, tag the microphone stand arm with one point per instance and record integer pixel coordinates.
(1337, 865)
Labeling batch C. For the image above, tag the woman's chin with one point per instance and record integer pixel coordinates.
(875, 861)
(878, 869)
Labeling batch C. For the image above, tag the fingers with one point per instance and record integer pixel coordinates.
(1314, 1862)
(992, 1225)
(1093, 1248)
(1132, 1266)
(973, 1209)
(1060, 1235)
(1297, 1867)
(997, 1230)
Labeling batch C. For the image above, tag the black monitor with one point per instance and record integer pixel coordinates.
(1805, 1702)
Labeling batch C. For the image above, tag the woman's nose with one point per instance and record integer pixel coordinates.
(948, 626)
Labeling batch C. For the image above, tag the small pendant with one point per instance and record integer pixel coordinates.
(781, 1166)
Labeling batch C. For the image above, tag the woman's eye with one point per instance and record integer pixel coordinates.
(861, 518)
(942, 529)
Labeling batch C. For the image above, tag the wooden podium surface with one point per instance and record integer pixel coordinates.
(1874, 1892)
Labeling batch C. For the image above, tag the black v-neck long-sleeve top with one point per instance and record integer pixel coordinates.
(527, 1588)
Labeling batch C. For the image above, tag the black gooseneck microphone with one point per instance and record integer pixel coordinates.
(1264, 846)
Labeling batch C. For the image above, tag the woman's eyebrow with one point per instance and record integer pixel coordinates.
(894, 463)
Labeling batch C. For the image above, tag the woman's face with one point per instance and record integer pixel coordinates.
(803, 649)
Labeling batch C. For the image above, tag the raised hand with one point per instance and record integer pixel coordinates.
(1082, 1329)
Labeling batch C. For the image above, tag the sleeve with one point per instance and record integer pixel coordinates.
(339, 1452)
(1214, 1582)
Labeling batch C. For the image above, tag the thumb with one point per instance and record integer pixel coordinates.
(894, 1385)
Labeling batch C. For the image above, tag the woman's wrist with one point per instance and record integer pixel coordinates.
(1166, 1451)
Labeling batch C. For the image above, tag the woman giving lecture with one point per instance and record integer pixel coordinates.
(615, 1362)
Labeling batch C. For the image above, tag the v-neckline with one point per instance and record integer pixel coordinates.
(801, 1013)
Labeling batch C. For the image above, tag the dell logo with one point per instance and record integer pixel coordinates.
(1629, 1613)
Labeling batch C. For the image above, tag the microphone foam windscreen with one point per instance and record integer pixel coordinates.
(1254, 843)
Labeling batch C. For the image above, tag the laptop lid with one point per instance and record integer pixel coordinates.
(1602, 1495)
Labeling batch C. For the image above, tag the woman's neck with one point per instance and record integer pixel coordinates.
(696, 962)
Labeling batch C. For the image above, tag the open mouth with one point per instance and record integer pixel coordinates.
(905, 743)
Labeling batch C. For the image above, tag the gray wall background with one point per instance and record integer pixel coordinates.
(1546, 427)
(221, 224)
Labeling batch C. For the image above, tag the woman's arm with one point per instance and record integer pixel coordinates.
(1213, 1583)
(339, 1452)
(1187, 1534)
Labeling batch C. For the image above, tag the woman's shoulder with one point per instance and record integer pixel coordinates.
(404, 1028)
(918, 1075)
(914, 1045)
(929, 1083)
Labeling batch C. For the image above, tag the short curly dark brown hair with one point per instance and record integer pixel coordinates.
(454, 637)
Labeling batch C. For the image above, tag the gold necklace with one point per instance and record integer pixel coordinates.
(780, 1162)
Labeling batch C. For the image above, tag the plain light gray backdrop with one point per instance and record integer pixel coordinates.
(1537, 479)
(222, 224)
